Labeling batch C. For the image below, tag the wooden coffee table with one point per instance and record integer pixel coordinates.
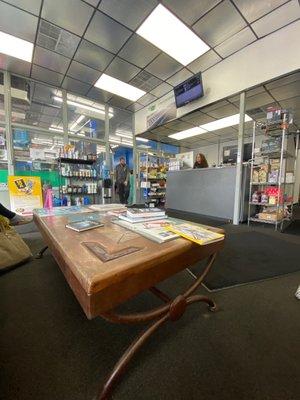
(101, 286)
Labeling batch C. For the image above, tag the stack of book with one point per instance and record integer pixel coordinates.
(135, 215)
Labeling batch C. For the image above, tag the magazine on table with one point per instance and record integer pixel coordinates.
(80, 226)
(145, 212)
(137, 220)
(153, 230)
(195, 233)
(107, 207)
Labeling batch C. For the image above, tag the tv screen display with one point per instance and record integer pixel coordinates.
(230, 153)
(188, 91)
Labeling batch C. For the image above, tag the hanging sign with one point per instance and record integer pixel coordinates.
(25, 194)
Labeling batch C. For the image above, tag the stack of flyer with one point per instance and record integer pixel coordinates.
(148, 222)
(135, 215)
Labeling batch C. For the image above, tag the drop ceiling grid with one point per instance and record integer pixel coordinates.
(95, 7)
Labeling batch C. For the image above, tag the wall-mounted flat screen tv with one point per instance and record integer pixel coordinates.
(189, 90)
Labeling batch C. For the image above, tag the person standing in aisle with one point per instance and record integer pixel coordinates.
(122, 180)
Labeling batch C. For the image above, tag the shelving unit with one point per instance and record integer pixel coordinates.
(153, 174)
(277, 206)
(81, 179)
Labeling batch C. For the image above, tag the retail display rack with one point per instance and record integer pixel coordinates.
(78, 180)
(273, 170)
(153, 177)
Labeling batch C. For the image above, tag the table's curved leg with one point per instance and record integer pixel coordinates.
(121, 365)
(172, 310)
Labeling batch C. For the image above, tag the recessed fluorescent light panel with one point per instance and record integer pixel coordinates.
(141, 139)
(187, 133)
(15, 47)
(119, 88)
(169, 34)
(224, 122)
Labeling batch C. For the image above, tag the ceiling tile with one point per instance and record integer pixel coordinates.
(282, 16)
(179, 77)
(178, 125)
(50, 60)
(56, 39)
(236, 42)
(139, 51)
(119, 102)
(17, 22)
(223, 112)
(284, 81)
(255, 9)
(163, 66)
(198, 118)
(129, 12)
(32, 6)
(83, 72)
(161, 89)
(249, 93)
(135, 107)
(122, 70)
(75, 86)
(145, 81)
(45, 75)
(286, 91)
(43, 94)
(107, 33)
(93, 55)
(211, 107)
(147, 99)
(93, 3)
(219, 24)
(74, 18)
(204, 62)
(99, 95)
(14, 65)
(258, 100)
(190, 10)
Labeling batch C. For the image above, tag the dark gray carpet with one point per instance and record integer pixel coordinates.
(252, 256)
(50, 351)
(294, 228)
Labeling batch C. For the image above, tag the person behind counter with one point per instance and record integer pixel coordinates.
(200, 161)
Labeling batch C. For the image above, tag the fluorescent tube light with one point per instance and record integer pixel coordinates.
(141, 139)
(119, 88)
(169, 34)
(78, 120)
(187, 133)
(55, 129)
(125, 135)
(15, 47)
(114, 141)
(84, 106)
(224, 122)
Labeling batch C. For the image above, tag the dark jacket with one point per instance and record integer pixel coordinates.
(122, 173)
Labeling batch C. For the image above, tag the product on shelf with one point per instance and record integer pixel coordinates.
(263, 173)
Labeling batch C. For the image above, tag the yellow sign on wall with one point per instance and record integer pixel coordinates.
(25, 194)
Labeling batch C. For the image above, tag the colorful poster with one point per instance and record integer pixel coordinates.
(25, 194)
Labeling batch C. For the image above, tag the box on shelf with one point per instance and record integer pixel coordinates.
(271, 215)
(255, 176)
(263, 173)
(289, 177)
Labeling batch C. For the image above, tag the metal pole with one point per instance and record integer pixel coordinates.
(8, 128)
(239, 162)
(134, 160)
(106, 138)
(65, 116)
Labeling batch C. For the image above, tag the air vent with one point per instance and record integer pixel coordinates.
(145, 81)
(55, 39)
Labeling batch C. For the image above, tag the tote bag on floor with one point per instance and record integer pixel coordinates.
(13, 250)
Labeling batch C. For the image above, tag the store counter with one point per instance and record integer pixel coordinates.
(207, 191)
